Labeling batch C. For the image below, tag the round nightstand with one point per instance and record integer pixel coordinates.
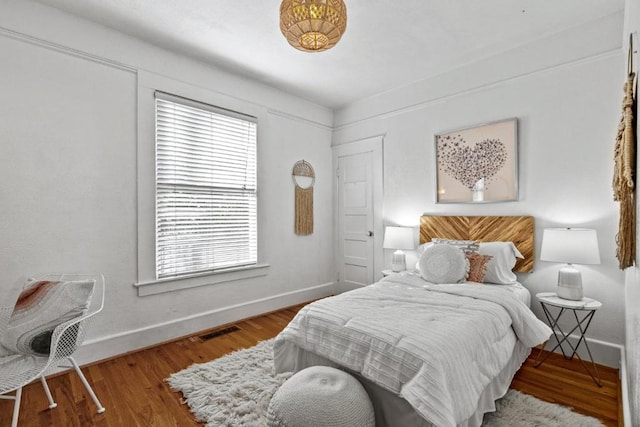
(586, 307)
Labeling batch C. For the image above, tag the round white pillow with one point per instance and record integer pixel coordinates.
(443, 264)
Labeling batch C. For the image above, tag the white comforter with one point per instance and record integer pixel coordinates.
(437, 346)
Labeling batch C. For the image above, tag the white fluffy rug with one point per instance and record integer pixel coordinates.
(235, 390)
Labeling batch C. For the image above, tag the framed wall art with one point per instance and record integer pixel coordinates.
(478, 164)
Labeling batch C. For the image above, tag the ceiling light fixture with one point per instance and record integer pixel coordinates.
(313, 25)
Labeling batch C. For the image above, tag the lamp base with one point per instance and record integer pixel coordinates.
(398, 262)
(570, 283)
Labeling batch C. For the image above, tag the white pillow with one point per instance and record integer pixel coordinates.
(500, 268)
(443, 264)
(420, 250)
(465, 245)
(41, 307)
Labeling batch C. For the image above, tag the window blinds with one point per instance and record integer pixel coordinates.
(206, 207)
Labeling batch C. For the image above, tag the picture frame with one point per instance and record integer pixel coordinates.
(478, 164)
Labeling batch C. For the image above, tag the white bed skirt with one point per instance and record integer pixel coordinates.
(392, 410)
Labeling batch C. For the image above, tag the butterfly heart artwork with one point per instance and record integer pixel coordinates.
(468, 163)
(477, 164)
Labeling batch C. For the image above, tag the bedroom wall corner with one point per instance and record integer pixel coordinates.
(566, 130)
(630, 371)
(68, 125)
(632, 274)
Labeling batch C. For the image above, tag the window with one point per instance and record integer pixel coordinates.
(206, 201)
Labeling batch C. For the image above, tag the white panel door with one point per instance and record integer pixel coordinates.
(358, 219)
(355, 196)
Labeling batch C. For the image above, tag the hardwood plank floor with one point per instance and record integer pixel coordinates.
(133, 390)
(567, 383)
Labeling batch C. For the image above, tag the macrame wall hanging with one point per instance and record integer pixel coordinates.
(624, 171)
(303, 178)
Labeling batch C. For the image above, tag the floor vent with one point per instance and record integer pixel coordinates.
(220, 332)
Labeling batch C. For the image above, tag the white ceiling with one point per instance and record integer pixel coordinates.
(388, 43)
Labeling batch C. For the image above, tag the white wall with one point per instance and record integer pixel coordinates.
(632, 295)
(68, 144)
(565, 91)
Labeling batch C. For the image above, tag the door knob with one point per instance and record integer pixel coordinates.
(369, 233)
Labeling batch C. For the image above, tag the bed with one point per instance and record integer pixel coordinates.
(429, 352)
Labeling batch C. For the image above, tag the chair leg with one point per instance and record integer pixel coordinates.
(16, 407)
(101, 408)
(52, 404)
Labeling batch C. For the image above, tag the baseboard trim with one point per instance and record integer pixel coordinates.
(125, 342)
(624, 386)
(604, 353)
(346, 287)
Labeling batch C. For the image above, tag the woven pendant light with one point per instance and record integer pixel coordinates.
(313, 25)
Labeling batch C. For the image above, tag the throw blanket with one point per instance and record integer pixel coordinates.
(437, 346)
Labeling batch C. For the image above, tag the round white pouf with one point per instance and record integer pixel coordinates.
(320, 396)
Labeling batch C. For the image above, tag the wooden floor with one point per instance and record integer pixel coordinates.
(566, 382)
(133, 390)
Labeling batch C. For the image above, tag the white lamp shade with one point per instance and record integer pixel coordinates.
(398, 238)
(570, 246)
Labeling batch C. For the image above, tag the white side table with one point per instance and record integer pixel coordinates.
(586, 308)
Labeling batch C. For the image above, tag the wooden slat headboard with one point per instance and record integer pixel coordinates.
(516, 229)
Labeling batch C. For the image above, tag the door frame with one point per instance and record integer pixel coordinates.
(375, 145)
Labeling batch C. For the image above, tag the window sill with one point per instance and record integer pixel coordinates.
(178, 283)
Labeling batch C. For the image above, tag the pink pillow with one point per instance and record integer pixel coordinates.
(477, 266)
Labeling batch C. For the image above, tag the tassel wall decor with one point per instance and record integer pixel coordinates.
(624, 172)
(303, 178)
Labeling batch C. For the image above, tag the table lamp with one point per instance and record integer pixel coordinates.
(398, 238)
(570, 246)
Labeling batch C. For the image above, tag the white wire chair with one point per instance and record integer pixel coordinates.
(18, 370)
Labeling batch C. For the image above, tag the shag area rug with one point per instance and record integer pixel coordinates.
(235, 390)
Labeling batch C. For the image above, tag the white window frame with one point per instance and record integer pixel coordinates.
(147, 283)
(200, 149)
